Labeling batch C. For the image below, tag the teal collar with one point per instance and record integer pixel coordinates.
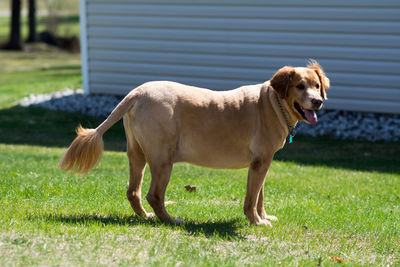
(291, 129)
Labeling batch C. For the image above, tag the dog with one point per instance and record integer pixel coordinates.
(167, 122)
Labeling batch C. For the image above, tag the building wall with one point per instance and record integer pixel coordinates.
(220, 44)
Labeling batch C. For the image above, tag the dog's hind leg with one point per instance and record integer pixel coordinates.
(160, 176)
(137, 164)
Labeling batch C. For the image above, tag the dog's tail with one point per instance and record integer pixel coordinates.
(87, 148)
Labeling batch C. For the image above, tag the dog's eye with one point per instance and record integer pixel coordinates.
(317, 85)
(300, 86)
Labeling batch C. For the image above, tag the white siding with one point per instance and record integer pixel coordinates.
(221, 44)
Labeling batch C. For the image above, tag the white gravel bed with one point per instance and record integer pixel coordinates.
(366, 126)
(73, 101)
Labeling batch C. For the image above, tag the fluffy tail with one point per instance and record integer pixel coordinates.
(84, 152)
(87, 148)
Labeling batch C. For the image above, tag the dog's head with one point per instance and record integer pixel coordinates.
(304, 89)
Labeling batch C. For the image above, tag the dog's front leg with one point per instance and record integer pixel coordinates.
(261, 209)
(255, 181)
(260, 203)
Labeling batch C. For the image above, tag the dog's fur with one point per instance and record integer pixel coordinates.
(167, 122)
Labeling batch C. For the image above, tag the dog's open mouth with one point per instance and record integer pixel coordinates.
(307, 114)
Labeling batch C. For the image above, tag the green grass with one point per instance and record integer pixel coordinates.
(323, 212)
(332, 198)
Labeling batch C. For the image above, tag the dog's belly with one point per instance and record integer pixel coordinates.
(214, 161)
(208, 153)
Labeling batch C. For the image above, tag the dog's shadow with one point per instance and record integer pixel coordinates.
(222, 229)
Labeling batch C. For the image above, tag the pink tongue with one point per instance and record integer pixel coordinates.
(311, 116)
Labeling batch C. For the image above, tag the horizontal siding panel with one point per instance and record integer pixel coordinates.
(348, 53)
(264, 63)
(134, 80)
(356, 79)
(271, 12)
(363, 105)
(360, 93)
(286, 3)
(367, 80)
(247, 24)
(223, 73)
(297, 38)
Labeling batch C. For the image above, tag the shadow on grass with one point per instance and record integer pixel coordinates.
(38, 126)
(222, 229)
(355, 155)
(42, 127)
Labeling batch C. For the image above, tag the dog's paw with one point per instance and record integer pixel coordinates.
(270, 218)
(264, 222)
(177, 221)
(261, 221)
(149, 215)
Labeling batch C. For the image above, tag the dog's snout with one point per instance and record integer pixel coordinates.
(316, 102)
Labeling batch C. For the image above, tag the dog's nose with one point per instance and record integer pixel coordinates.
(316, 102)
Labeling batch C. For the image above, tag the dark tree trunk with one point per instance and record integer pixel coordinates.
(15, 41)
(32, 21)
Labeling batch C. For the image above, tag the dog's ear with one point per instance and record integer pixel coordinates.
(281, 80)
(325, 83)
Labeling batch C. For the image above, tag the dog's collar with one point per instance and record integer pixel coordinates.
(291, 129)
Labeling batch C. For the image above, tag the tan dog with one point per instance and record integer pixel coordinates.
(167, 122)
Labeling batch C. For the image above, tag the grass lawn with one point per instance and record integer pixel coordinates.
(52, 218)
(332, 198)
